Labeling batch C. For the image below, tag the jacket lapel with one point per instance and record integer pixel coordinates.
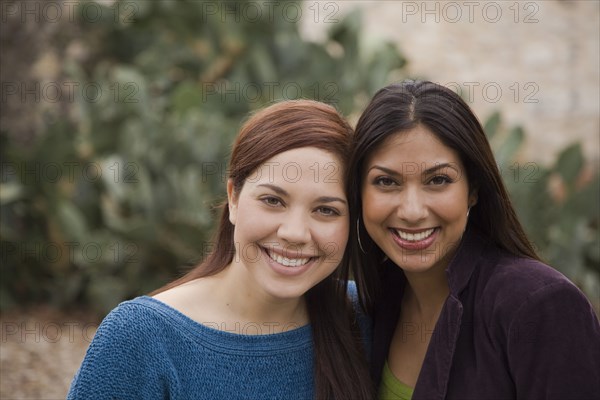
(435, 372)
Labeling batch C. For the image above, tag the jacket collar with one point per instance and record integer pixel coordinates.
(465, 260)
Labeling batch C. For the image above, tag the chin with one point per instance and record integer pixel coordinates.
(286, 293)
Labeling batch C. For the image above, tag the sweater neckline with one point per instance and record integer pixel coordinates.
(295, 337)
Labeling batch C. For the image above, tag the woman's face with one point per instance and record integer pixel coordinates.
(291, 222)
(415, 197)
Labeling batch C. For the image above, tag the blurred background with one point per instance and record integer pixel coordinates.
(117, 118)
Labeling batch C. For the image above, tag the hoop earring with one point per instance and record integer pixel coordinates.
(468, 211)
(358, 236)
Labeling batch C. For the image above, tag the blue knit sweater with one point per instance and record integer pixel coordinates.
(145, 349)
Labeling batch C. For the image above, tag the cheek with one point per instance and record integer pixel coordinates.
(251, 224)
(332, 239)
(452, 207)
(374, 207)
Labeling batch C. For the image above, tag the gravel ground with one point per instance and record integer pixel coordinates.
(40, 351)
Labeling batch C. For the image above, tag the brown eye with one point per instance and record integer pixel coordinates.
(384, 181)
(439, 180)
(271, 201)
(328, 211)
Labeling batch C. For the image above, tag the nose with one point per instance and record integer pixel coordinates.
(412, 207)
(294, 228)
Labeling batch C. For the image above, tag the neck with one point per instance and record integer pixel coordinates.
(243, 303)
(426, 293)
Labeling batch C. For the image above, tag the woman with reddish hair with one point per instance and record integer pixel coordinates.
(265, 316)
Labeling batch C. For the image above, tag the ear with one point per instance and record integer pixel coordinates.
(232, 200)
(473, 197)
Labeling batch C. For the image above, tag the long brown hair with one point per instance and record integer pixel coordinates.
(401, 107)
(340, 366)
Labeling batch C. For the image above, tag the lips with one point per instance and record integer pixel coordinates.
(414, 239)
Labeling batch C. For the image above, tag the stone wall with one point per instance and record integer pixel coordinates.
(535, 61)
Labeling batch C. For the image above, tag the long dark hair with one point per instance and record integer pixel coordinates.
(340, 366)
(401, 107)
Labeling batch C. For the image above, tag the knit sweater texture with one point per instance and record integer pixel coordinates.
(145, 349)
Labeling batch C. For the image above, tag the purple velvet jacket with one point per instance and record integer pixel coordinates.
(511, 328)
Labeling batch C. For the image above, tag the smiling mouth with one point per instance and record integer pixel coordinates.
(413, 237)
(288, 261)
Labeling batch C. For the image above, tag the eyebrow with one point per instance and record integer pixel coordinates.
(275, 188)
(330, 199)
(426, 172)
(323, 199)
(438, 167)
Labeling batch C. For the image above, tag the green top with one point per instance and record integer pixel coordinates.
(391, 388)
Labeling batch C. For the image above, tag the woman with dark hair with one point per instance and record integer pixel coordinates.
(462, 306)
(265, 316)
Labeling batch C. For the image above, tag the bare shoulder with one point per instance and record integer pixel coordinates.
(190, 298)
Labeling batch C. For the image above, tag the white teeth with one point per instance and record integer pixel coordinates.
(414, 237)
(288, 262)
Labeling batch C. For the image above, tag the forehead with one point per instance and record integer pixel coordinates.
(418, 145)
(304, 166)
(305, 154)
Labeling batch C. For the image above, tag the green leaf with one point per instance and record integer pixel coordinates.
(507, 150)
(187, 96)
(569, 163)
(72, 221)
(106, 292)
(491, 125)
(11, 191)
